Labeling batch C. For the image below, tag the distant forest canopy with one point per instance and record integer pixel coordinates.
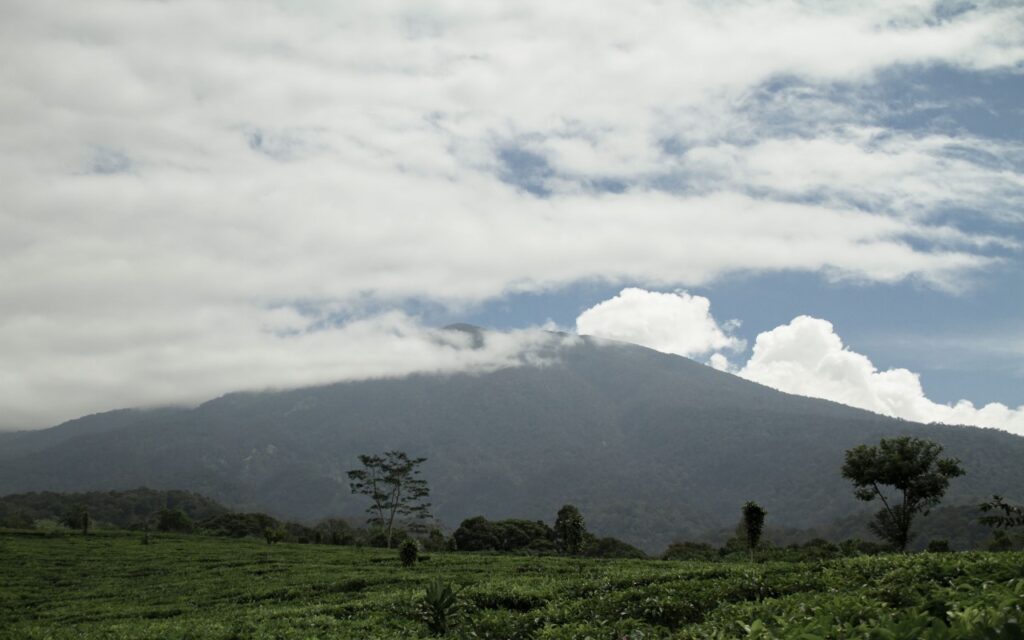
(652, 448)
(188, 512)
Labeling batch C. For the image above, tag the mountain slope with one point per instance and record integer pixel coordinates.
(651, 447)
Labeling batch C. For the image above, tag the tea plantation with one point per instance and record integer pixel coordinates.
(192, 587)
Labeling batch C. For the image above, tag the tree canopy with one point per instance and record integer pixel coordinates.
(913, 470)
(391, 482)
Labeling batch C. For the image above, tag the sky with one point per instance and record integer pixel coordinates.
(198, 197)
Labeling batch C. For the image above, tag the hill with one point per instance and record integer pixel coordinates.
(651, 447)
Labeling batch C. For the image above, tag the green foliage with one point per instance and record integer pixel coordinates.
(912, 467)
(273, 534)
(409, 553)
(481, 534)
(122, 509)
(391, 482)
(570, 530)
(203, 588)
(77, 518)
(1001, 514)
(690, 551)
(335, 531)
(238, 525)
(440, 607)
(609, 547)
(753, 525)
(938, 546)
(173, 520)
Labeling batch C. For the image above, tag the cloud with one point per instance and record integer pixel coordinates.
(676, 323)
(48, 378)
(174, 171)
(807, 357)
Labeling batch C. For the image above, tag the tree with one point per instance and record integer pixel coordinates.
(390, 481)
(570, 530)
(173, 520)
(1012, 515)
(913, 468)
(78, 518)
(753, 525)
(1002, 515)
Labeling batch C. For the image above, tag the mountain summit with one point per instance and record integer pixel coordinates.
(651, 447)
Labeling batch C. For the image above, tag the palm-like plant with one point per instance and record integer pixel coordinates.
(440, 607)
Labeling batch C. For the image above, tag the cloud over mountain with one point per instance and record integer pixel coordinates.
(197, 190)
(805, 357)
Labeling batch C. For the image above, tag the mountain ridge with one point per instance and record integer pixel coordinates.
(651, 446)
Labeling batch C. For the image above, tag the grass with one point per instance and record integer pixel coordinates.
(112, 586)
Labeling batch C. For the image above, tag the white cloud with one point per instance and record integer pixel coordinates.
(50, 376)
(807, 357)
(171, 171)
(676, 323)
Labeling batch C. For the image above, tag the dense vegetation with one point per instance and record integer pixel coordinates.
(121, 509)
(111, 586)
(652, 448)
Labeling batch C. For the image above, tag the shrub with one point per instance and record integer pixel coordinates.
(409, 552)
(939, 546)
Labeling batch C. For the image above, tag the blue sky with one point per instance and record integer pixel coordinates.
(824, 197)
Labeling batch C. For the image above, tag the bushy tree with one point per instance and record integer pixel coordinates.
(273, 534)
(391, 482)
(753, 525)
(570, 530)
(173, 520)
(78, 518)
(915, 472)
(335, 531)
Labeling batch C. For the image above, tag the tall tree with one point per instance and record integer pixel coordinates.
(753, 525)
(570, 529)
(915, 472)
(391, 482)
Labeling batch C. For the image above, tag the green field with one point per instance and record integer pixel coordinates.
(112, 586)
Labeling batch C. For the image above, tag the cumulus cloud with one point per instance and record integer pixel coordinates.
(677, 323)
(180, 176)
(807, 357)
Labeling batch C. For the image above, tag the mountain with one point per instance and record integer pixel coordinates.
(651, 447)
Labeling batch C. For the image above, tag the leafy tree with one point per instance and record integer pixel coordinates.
(78, 518)
(273, 534)
(570, 530)
(1011, 515)
(335, 531)
(390, 481)
(753, 525)
(913, 468)
(173, 520)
